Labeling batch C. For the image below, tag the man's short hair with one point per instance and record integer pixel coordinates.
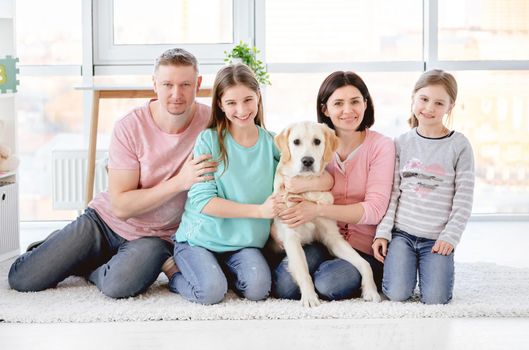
(176, 57)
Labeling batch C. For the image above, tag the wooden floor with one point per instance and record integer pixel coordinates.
(421, 334)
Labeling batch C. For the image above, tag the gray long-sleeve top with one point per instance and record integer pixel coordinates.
(433, 187)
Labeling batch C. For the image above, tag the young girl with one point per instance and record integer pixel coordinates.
(227, 220)
(363, 172)
(431, 199)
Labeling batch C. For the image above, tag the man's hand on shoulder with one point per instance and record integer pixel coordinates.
(195, 170)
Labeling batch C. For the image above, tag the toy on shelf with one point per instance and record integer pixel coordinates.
(8, 74)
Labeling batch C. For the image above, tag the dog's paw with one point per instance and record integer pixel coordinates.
(371, 294)
(310, 299)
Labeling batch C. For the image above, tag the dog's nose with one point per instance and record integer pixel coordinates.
(307, 161)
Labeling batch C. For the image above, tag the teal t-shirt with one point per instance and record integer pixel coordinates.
(249, 179)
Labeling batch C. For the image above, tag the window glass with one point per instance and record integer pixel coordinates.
(173, 21)
(341, 31)
(493, 112)
(49, 117)
(45, 36)
(483, 30)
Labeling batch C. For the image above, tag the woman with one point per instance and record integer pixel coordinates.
(363, 169)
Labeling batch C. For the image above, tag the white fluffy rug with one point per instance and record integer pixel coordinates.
(481, 290)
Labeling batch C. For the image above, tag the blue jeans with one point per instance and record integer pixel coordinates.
(204, 276)
(407, 255)
(88, 247)
(334, 279)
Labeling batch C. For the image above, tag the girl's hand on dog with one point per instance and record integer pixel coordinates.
(266, 210)
(302, 212)
(280, 205)
(442, 248)
(380, 248)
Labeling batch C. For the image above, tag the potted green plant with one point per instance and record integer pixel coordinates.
(248, 55)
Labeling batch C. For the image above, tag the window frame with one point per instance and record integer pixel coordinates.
(106, 53)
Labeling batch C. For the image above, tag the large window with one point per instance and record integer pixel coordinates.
(389, 43)
(49, 109)
(479, 41)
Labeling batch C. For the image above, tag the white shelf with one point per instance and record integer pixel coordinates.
(4, 175)
(9, 213)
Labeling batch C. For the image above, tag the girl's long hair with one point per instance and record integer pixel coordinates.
(230, 76)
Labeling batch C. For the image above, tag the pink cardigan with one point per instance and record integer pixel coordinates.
(367, 179)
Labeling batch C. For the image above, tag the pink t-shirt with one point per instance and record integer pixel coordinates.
(367, 179)
(138, 143)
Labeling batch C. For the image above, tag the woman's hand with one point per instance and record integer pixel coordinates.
(302, 212)
(380, 248)
(442, 248)
(296, 184)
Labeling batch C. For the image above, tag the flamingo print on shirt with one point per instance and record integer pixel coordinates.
(423, 178)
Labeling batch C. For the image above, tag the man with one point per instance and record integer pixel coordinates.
(122, 239)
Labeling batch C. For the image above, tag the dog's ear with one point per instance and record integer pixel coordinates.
(281, 141)
(331, 143)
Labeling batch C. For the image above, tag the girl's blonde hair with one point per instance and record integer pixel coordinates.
(230, 76)
(435, 77)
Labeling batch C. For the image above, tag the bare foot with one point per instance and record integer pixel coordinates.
(169, 267)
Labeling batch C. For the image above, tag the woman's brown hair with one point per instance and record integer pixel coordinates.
(335, 81)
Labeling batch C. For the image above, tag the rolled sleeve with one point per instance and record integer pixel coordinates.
(202, 192)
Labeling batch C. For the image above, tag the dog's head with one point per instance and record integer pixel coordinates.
(306, 148)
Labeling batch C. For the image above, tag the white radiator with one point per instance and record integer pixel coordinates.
(69, 178)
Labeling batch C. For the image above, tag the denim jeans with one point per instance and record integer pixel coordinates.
(409, 255)
(334, 279)
(204, 276)
(88, 247)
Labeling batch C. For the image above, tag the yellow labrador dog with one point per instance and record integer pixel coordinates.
(306, 148)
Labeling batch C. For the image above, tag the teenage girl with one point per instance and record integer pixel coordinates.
(227, 220)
